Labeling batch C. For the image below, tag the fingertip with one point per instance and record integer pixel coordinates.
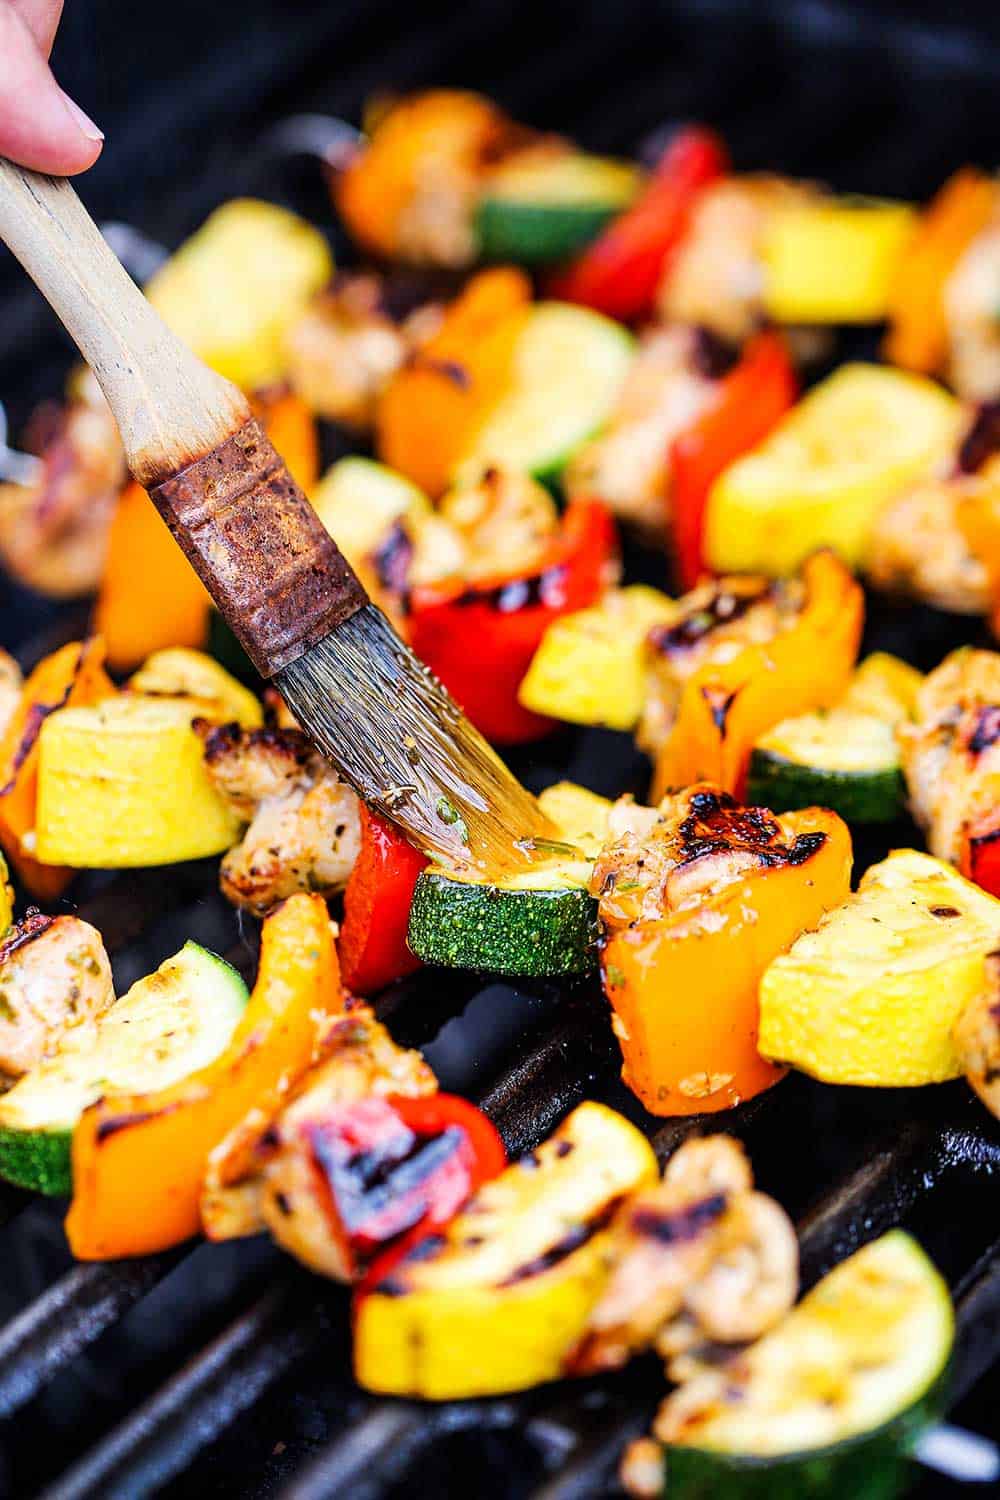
(40, 126)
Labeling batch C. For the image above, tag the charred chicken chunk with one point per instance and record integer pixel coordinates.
(349, 342)
(305, 825)
(501, 523)
(971, 301)
(717, 278)
(951, 753)
(977, 1038)
(699, 1258)
(54, 532)
(272, 1171)
(669, 385)
(54, 974)
(700, 841)
(715, 622)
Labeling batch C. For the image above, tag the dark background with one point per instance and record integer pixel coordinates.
(878, 97)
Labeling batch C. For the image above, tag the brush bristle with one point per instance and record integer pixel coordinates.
(397, 736)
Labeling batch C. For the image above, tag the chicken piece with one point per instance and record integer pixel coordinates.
(54, 533)
(700, 1250)
(347, 344)
(919, 549)
(265, 1173)
(305, 823)
(923, 544)
(951, 752)
(972, 315)
(717, 277)
(501, 525)
(54, 974)
(11, 682)
(670, 383)
(701, 840)
(715, 622)
(976, 1035)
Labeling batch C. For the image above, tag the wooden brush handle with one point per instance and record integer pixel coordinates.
(253, 538)
(170, 408)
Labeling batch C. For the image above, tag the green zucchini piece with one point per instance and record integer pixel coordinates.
(840, 759)
(169, 1024)
(519, 932)
(569, 365)
(831, 1401)
(539, 923)
(542, 205)
(844, 758)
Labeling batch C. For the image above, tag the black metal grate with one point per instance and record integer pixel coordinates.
(222, 1371)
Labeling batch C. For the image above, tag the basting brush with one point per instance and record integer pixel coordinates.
(276, 575)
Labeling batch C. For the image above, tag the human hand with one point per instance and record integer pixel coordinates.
(40, 126)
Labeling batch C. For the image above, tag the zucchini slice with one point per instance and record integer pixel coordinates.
(170, 1024)
(543, 205)
(845, 761)
(844, 758)
(829, 1402)
(539, 923)
(569, 365)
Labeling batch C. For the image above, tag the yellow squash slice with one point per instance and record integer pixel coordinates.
(589, 667)
(232, 290)
(499, 1299)
(124, 783)
(852, 444)
(872, 995)
(830, 260)
(198, 681)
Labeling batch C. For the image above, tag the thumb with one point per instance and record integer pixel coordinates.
(40, 126)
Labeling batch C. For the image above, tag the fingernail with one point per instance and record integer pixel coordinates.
(82, 121)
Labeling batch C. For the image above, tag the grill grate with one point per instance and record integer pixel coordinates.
(223, 1370)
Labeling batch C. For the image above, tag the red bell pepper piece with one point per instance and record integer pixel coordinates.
(619, 273)
(981, 855)
(399, 1166)
(750, 400)
(480, 639)
(372, 944)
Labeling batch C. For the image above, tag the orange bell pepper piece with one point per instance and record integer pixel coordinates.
(139, 1161)
(429, 411)
(918, 334)
(684, 986)
(291, 427)
(449, 127)
(725, 708)
(150, 596)
(73, 675)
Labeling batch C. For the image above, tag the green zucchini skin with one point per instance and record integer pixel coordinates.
(538, 233)
(784, 785)
(872, 1466)
(38, 1160)
(532, 933)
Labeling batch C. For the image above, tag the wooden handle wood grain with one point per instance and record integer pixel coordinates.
(250, 533)
(170, 408)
